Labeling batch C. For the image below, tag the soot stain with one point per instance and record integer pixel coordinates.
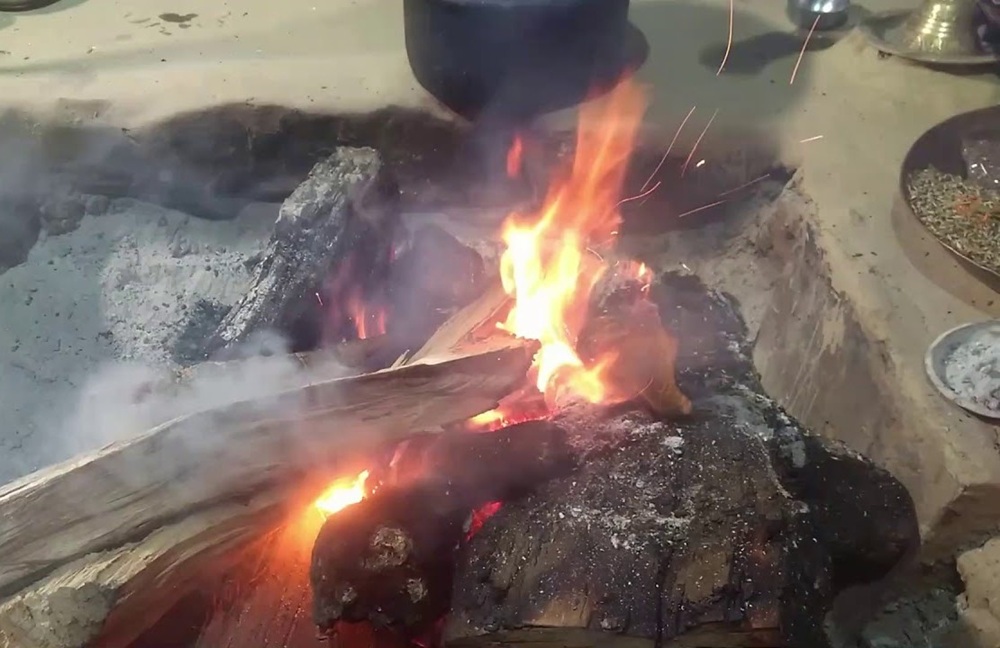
(177, 18)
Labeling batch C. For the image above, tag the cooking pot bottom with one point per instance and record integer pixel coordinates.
(528, 91)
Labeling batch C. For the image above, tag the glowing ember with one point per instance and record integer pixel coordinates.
(341, 494)
(479, 517)
(550, 266)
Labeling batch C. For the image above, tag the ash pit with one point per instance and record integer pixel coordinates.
(684, 507)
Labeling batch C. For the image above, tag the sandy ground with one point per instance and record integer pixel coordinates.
(92, 309)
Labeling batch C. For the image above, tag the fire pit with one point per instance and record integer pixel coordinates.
(535, 438)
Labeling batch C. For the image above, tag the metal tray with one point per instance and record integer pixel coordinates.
(939, 352)
(883, 31)
(941, 147)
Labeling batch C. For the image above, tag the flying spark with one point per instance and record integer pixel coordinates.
(677, 134)
(641, 195)
(729, 40)
(702, 208)
(802, 52)
(697, 142)
(745, 185)
(811, 139)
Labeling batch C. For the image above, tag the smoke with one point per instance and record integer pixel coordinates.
(199, 453)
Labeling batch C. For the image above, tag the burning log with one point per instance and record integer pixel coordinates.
(100, 545)
(641, 356)
(388, 559)
(683, 534)
(729, 527)
(342, 219)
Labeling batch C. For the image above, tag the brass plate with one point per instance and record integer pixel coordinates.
(941, 147)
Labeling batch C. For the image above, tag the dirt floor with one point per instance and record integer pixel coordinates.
(845, 298)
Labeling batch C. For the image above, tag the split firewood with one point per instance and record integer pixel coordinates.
(473, 326)
(342, 219)
(138, 516)
(388, 560)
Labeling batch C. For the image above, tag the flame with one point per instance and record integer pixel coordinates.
(514, 157)
(368, 321)
(550, 267)
(342, 493)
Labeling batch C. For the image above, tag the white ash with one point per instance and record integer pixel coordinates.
(972, 369)
(675, 444)
(616, 526)
(110, 298)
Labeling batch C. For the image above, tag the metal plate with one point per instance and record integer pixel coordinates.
(883, 30)
(943, 348)
(941, 147)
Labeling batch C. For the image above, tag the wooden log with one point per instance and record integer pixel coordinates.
(81, 540)
(338, 223)
(684, 535)
(387, 560)
(730, 527)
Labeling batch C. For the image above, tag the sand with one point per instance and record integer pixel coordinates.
(93, 309)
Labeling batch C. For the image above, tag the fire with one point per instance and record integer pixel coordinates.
(341, 494)
(551, 264)
(514, 156)
(368, 321)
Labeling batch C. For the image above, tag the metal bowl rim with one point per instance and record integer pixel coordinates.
(933, 365)
(904, 186)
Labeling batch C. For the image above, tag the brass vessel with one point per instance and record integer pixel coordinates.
(937, 32)
(941, 27)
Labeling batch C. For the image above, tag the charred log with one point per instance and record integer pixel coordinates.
(434, 275)
(338, 223)
(731, 527)
(388, 559)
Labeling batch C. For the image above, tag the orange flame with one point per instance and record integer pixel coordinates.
(341, 494)
(549, 266)
(368, 321)
(514, 156)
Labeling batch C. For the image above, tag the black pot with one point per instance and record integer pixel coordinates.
(515, 59)
(24, 5)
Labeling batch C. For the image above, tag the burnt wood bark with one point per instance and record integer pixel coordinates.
(338, 224)
(731, 527)
(388, 560)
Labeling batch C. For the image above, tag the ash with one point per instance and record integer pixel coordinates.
(973, 369)
(103, 302)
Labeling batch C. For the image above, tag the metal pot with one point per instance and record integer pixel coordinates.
(514, 58)
(24, 5)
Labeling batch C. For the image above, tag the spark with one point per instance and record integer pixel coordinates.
(677, 134)
(702, 208)
(802, 52)
(319, 299)
(729, 40)
(811, 139)
(644, 193)
(700, 163)
(697, 142)
(745, 185)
